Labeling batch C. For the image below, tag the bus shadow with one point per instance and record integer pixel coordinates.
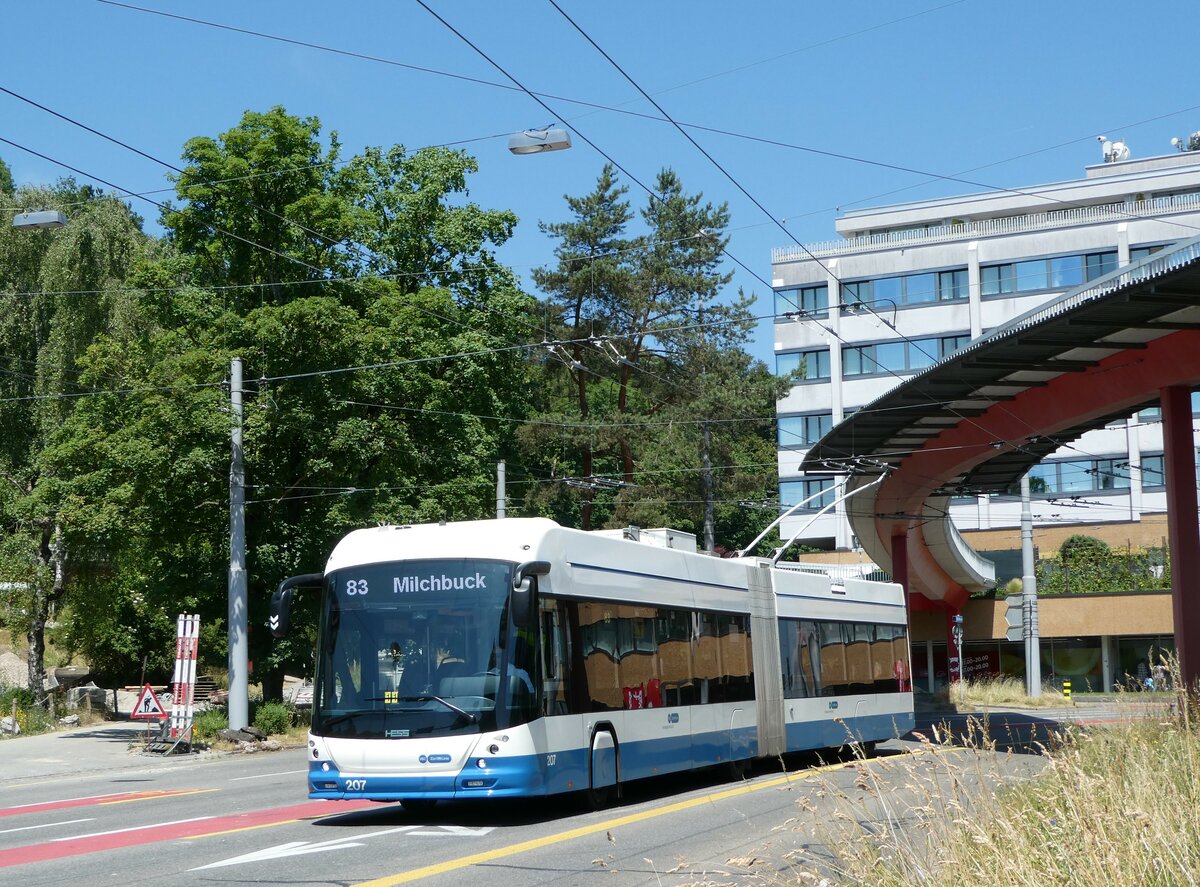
(1018, 732)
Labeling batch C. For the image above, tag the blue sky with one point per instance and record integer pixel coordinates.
(942, 86)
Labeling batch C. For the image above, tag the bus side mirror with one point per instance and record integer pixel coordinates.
(521, 600)
(281, 601)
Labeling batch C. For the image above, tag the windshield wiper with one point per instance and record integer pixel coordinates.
(345, 716)
(422, 697)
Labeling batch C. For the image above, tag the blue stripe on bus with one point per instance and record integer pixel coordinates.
(656, 576)
(535, 775)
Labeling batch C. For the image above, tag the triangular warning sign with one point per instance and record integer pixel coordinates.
(148, 707)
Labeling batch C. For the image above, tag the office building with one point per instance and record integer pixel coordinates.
(910, 283)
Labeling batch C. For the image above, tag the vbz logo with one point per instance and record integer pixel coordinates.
(673, 718)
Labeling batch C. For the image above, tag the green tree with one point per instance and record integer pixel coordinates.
(1086, 564)
(372, 394)
(62, 292)
(651, 383)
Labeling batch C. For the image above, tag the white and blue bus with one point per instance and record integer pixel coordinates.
(514, 658)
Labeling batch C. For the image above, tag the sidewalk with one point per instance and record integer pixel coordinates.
(104, 746)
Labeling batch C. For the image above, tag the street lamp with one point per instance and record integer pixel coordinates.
(535, 141)
(49, 218)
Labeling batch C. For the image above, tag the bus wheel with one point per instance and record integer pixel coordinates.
(418, 805)
(598, 798)
(736, 769)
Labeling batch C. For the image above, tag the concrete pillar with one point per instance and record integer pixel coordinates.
(929, 665)
(1106, 661)
(1184, 528)
(1134, 447)
(974, 291)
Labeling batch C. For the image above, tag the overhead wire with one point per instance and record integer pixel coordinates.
(706, 154)
(597, 106)
(486, 82)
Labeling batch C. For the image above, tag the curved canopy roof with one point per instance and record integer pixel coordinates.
(978, 420)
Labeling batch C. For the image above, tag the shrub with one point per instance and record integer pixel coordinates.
(273, 718)
(22, 696)
(208, 724)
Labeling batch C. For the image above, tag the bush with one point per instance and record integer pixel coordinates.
(22, 696)
(273, 718)
(207, 724)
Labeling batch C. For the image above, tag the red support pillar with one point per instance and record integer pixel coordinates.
(1183, 527)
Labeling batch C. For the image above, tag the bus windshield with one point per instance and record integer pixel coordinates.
(414, 649)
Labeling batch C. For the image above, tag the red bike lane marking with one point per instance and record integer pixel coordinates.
(171, 831)
(96, 800)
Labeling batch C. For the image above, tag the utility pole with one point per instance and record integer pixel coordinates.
(500, 491)
(706, 477)
(1033, 653)
(239, 677)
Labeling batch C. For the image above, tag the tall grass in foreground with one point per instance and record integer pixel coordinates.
(1116, 805)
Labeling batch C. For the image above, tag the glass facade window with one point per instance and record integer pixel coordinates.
(1082, 476)
(909, 289)
(793, 491)
(803, 431)
(1140, 252)
(1154, 471)
(1066, 271)
(814, 364)
(899, 356)
(812, 300)
(1099, 264)
(953, 285)
(1034, 275)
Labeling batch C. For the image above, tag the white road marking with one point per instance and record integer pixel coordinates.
(265, 775)
(135, 828)
(299, 848)
(26, 828)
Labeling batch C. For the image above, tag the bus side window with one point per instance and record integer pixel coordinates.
(555, 663)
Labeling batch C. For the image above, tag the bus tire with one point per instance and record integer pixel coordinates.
(736, 769)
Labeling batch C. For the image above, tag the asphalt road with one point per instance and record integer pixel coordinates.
(81, 808)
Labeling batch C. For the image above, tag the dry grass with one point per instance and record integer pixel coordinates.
(1117, 805)
(1001, 691)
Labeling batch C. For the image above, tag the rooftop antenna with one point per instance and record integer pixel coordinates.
(1113, 152)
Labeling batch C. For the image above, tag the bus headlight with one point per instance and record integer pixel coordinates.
(481, 763)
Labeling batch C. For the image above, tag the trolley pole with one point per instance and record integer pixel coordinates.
(239, 678)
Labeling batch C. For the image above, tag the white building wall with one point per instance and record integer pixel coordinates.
(1117, 207)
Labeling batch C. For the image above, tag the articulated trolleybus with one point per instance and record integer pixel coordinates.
(514, 658)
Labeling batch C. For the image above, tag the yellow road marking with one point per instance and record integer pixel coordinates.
(248, 828)
(537, 843)
(162, 793)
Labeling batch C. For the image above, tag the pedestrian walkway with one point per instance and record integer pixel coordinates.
(102, 747)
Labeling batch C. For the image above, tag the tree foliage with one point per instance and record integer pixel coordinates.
(369, 394)
(1085, 564)
(387, 361)
(644, 377)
